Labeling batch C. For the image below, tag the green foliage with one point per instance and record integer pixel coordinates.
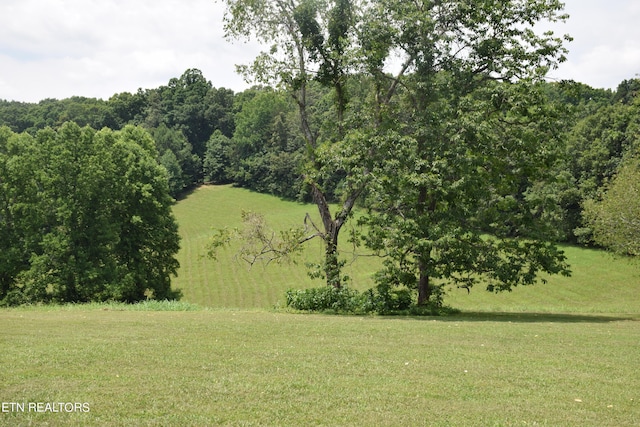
(176, 155)
(463, 173)
(266, 153)
(182, 116)
(430, 144)
(615, 219)
(342, 300)
(461, 158)
(87, 217)
(383, 299)
(217, 160)
(27, 117)
(459, 152)
(597, 145)
(192, 105)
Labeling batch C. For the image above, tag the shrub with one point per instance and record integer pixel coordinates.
(324, 298)
(381, 300)
(384, 300)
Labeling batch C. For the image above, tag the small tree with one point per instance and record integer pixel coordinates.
(615, 218)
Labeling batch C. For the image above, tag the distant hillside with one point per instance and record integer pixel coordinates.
(600, 283)
(229, 282)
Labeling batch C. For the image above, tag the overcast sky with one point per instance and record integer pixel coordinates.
(96, 48)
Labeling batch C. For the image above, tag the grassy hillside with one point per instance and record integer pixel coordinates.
(544, 358)
(229, 282)
(599, 284)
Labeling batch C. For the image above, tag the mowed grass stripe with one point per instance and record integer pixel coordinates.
(228, 281)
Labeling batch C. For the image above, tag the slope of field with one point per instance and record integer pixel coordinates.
(599, 283)
(542, 357)
(230, 282)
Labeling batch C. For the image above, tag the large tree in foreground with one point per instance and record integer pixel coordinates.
(448, 134)
(469, 138)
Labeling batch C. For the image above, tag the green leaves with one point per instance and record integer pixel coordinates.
(99, 223)
(615, 218)
(438, 148)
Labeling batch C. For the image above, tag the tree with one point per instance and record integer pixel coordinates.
(615, 218)
(597, 145)
(176, 155)
(470, 137)
(86, 216)
(127, 108)
(149, 239)
(457, 207)
(266, 153)
(430, 111)
(216, 162)
(310, 41)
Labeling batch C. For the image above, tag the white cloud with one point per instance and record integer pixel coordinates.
(96, 48)
(605, 50)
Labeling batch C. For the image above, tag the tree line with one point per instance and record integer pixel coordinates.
(201, 134)
(253, 139)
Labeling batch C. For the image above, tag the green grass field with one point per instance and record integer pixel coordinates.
(599, 284)
(560, 354)
(250, 368)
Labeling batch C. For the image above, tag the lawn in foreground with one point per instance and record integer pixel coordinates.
(266, 368)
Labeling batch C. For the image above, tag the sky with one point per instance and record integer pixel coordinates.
(97, 48)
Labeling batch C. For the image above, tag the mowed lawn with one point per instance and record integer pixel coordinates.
(231, 282)
(251, 368)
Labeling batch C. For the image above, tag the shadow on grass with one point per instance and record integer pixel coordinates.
(471, 316)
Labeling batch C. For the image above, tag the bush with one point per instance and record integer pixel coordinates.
(384, 300)
(323, 299)
(381, 300)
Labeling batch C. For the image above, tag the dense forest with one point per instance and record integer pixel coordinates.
(253, 139)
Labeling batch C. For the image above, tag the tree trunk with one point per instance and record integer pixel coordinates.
(331, 263)
(424, 287)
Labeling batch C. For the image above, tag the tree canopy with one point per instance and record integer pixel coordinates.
(615, 217)
(85, 215)
(432, 144)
